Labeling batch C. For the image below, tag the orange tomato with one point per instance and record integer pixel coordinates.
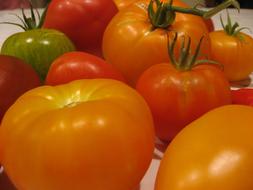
(123, 3)
(212, 153)
(132, 45)
(88, 134)
(235, 52)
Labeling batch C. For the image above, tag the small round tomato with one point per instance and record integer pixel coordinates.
(82, 21)
(212, 153)
(233, 49)
(92, 134)
(16, 77)
(180, 92)
(80, 65)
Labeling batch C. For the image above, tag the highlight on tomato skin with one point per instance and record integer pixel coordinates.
(91, 133)
(80, 65)
(212, 153)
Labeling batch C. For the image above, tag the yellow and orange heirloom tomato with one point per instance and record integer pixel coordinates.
(235, 52)
(88, 134)
(132, 44)
(212, 153)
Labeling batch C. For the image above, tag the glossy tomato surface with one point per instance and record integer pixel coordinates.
(80, 65)
(212, 153)
(132, 45)
(37, 47)
(91, 134)
(121, 4)
(82, 21)
(16, 77)
(234, 52)
(176, 97)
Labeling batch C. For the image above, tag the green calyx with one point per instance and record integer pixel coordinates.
(186, 61)
(29, 23)
(232, 29)
(161, 17)
(162, 13)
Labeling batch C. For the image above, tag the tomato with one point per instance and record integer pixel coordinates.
(79, 65)
(67, 137)
(82, 21)
(242, 96)
(233, 49)
(37, 47)
(16, 77)
(123, 3)
(132, 45)
(210, 25)
(182, 90)
(213, 152)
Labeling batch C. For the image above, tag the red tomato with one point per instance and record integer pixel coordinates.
(210, 25)
(16, 77)
(180, 91)
(243, 96)
(80, 65)
(212, 153)
(93, 134)
(82, 21)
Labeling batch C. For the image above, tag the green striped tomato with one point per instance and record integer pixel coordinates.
(38, 47)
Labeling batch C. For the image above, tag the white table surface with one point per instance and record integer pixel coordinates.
(245, 19)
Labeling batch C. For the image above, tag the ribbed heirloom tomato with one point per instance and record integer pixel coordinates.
(136, 37)
(212, 153)
(94, 134)
(180, 91)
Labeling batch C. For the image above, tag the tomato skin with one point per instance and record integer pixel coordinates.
(38, 47)
(16, 77)
(210, 25)
(123, 3)
(242, 96)
(82, 21)
(234, 53)
(70, 134)
(80, 65)
(176, 98)
(130, 44)
(213, 152)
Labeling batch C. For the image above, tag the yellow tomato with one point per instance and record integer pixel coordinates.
(235, 52)
(85, 135)
(215, 152)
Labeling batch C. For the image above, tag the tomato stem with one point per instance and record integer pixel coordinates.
(186, 60)
(232, 29)
(29, 23)
(162, 13)
(203, 13)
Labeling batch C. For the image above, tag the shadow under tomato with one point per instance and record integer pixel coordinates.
(5, 183)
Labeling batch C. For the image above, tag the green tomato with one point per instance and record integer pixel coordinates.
(38, 47)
